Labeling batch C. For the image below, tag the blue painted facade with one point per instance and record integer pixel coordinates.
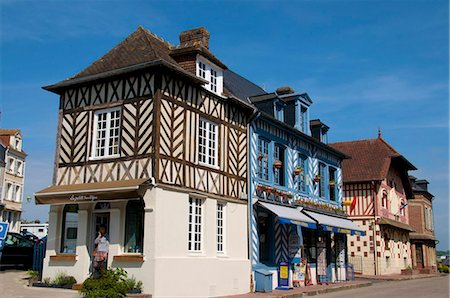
(284, 137)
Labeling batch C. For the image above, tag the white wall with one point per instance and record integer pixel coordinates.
(168, 269)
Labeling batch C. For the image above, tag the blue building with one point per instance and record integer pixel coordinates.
(295, 189)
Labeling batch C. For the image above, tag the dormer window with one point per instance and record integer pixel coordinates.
(211, 73)
(303, 119)
(279, 111)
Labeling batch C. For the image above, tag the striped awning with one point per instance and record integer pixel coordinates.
(289, 215)
(336, 224)
(90, 192)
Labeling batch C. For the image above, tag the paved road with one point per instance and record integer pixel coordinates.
(435, 287)
(14, 285)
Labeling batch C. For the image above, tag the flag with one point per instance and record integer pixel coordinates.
(353, 205)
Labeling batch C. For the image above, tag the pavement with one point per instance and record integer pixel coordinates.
(397, 277)
(13, 284)
(307, 291)
(434, 287)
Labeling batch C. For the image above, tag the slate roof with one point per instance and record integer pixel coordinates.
(369, 159)
(139, 47)
(240, 86)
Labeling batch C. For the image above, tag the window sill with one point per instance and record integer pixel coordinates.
(94, 158)
(64, 257)
(129, 258)
(215, 167)
(196, 254)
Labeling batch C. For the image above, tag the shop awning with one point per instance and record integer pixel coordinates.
(336, 224)
(290, 215)
(91, 192)
(394, 223)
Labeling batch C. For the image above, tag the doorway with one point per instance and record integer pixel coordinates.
(419, 256)
(98, 220)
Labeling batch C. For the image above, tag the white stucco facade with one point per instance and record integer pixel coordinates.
(167, 269)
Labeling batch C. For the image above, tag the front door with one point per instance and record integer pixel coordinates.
(99, 219)
(419, 256)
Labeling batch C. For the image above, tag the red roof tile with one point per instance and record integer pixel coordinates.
(369, 159)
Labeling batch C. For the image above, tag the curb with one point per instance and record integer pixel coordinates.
(326, 290)
(401, 278)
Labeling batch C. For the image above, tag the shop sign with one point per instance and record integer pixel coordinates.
(283, 276)
(83, 198)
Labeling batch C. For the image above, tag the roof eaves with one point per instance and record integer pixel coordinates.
(71, 82)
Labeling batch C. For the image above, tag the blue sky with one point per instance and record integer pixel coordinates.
(366, 65)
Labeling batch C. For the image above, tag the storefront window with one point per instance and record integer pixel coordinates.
(332, 183)
(134, 226)
(309, 242)
(69, 229)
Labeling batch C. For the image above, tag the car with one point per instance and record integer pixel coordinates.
(30, 236)
(17, 252)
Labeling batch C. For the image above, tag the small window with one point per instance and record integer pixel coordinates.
(106, 133)
(332, 183)
(301, 177)
(18, 193)
(69, 229)
(19, 168)
(322, 168)
(202, 69)
(213, 80)
(134, 226)
(384, 200)
(40, 230)
(207, 142)
(278, 174)
(195, 225)
(220, 227)
(263, 159)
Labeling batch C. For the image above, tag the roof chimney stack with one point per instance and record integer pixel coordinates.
(284, 90)
(194, 37)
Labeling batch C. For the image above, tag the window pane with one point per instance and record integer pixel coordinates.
(134, 226)
(70, 229)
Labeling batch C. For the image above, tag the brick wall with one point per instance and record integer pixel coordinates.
(187, 62)
(416, 217)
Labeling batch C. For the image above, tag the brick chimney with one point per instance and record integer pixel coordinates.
(193, 37)
(285, 90)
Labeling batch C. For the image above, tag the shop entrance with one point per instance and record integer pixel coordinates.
(98, 220)
(419, 256)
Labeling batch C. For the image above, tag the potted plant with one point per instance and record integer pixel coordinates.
(332, 182)
(317, 178)
(297, 170)
(277, 164)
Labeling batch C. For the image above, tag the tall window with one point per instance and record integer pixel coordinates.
(384, 200)
(213, 80)
(19, 168)
(220, 227)
(9, 191)
(302, 176)
(18, 193)
(10, 165)
(322, 168)
(106, 133)
(278, 172)
(332, 183)
(195, 225)
(134, 226)
(69, 229)
(263, 159)
(303, 118)
(207, 142)
(202, 69)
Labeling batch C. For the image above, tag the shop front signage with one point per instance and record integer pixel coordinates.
(91, 198)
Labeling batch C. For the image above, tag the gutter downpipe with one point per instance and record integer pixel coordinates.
(256, 114)
(375, 256)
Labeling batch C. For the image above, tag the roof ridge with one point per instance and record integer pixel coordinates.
(148, 32)
(388, 145)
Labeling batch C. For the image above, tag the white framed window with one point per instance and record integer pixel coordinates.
(106, 133)
(8, 191)
(18, 193)
(11, 165)
(221, 214)
(202, 69)
(195, 225)
(19, 168)
(213, 80)
(207, 142)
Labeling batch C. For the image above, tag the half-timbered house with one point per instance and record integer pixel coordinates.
(377, 189)
(295, 190)
(150, 145)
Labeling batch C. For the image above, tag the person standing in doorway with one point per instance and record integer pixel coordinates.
(101, 251)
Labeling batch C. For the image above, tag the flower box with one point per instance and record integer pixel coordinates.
(277, 164)
(297, 171)
(332, 183)
(317, 178)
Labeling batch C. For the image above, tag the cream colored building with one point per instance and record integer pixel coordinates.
(13, 178)
(150, 145)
